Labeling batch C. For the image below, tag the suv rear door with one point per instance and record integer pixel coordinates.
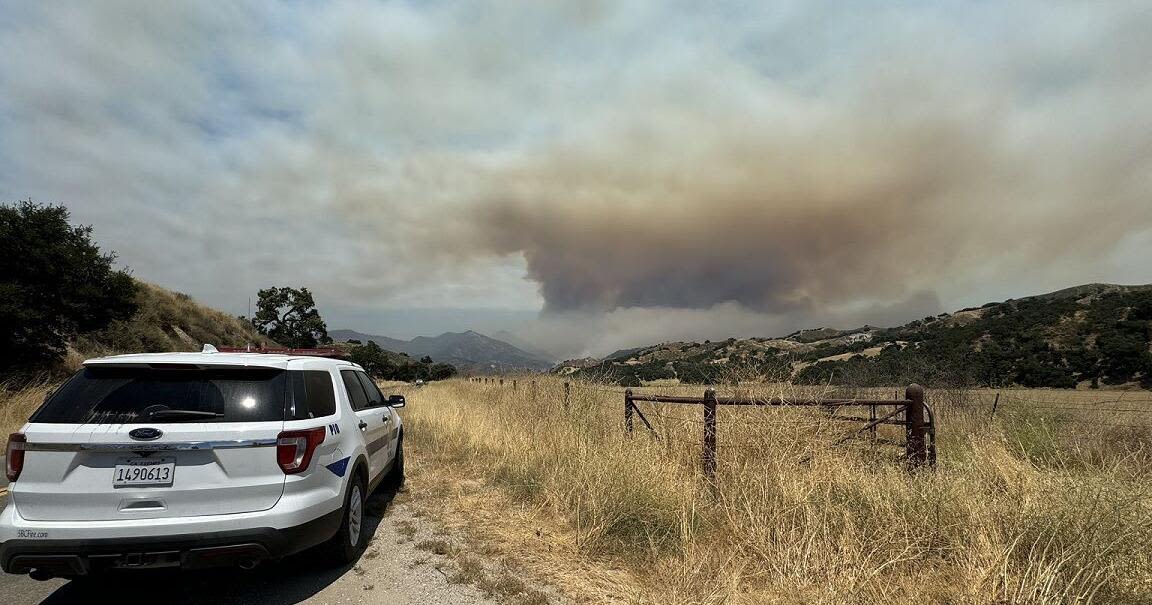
(371, 419)
(215, 427)
(377, 402)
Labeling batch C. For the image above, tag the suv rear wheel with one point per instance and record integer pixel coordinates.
(350, 540)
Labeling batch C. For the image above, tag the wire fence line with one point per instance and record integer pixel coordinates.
(1001, 399)
(910, 412)
(1045, 427)
(992, 402)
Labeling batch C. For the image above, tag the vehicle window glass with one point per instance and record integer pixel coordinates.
(312, 394)
(355, 389)
(125, 395)
(375, 399)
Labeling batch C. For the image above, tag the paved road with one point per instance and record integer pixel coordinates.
(393, 570)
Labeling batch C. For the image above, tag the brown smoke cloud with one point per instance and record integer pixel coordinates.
(787, 207)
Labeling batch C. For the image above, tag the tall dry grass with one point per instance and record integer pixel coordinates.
(1024, 508)
(18, 399)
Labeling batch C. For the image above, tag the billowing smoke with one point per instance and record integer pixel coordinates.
(786, 204)
(772, 209)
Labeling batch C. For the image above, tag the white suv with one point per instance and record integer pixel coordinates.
(197, 460)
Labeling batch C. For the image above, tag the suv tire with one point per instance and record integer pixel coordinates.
(351, 538)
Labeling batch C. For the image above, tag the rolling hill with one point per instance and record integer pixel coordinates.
(469, 351)
(1089, 335)
(164, 321)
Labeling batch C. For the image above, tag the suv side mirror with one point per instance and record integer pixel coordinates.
(395, 401)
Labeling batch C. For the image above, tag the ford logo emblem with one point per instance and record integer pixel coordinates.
(145, 434)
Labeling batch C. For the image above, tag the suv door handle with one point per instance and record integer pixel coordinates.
(387, 417)
(363, 425)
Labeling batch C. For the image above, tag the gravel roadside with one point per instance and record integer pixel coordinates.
(409, 560)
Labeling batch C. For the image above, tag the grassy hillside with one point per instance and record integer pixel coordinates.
(1091, 335)
(165, 321)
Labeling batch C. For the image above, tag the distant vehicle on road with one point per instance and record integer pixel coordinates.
(198, 460)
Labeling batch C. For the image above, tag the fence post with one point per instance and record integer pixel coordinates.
(628, 411)
(513, 385)
(567, 394)
(994, 404)
(708, 456)
(915, 448)
(533, 391)
(501, 382)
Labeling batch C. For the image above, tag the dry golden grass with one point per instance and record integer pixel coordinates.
(1035, 506)
(19, 400)
(1047, 502)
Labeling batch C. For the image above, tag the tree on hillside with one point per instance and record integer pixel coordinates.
(289, 317)
(373, 359)
(54, 284)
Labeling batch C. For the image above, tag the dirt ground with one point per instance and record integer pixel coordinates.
(413, 558)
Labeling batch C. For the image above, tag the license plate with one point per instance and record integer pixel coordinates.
(137, 472)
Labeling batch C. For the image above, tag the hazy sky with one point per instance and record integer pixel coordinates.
(592, 175)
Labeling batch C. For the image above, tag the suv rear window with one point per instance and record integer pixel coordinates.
(125, 395)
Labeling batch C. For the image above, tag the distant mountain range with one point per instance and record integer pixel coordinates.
(1090, 335)
(468, 351)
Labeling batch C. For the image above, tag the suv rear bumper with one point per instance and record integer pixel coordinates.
(189, 551)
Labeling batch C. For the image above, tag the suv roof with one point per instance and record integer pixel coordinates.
(256, 360)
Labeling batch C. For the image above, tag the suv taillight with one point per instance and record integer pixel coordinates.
(14, 456)
(294, 449)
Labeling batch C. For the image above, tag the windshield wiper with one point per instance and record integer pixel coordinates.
(189, 414)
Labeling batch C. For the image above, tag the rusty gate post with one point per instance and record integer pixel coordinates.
(915, 448)
(567, 394)
(628, 411)
(708, 456)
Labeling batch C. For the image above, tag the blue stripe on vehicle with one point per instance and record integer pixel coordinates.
(339, 467)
